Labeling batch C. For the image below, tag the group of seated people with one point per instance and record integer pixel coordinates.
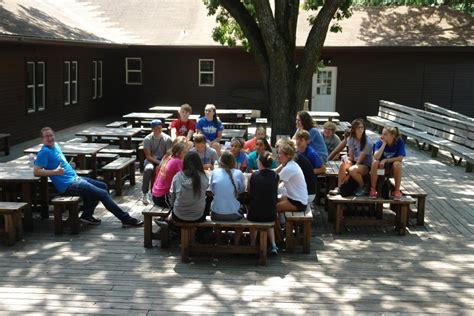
(194, 177)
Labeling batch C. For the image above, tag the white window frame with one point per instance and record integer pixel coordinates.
(74, 81)
(67, 81)
(127, 71)
(31, 86)
(207, 72)
(42, 86)
(99, 78)
(94, 79)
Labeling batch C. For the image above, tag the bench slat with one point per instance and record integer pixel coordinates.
(118, 163)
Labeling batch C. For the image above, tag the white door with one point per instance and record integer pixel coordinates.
(323, 91)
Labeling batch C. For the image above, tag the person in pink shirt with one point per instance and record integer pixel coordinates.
(165, 173)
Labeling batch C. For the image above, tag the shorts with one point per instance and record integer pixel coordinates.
(300, 206)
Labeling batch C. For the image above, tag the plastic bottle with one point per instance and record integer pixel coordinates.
(31, 160)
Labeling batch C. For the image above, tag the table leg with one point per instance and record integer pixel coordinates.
(26, 197)
(128, 143)
(94, 165)
(121, 142)
(263, 247)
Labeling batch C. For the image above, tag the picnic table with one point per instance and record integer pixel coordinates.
(228, 134)
(324, 115)
(142, 117)
(123, 134)
(165, 109)
(79, 149)
(22, 175)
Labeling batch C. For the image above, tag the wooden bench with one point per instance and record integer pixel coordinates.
(118, 171)
(412, 189)
(149, 234)
(401, 210)
(435, 130)
(443, 111)
(188, 245)
(12, 213)
(261, 121)
(117, 151)
(293, 234)
(84, 172)
(5, 143)
(76, 140)
(117, 124)
(71, 204)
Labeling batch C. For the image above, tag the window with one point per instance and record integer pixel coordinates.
(96, 79)
(206, 72)
(35, 86)
(70, 82)
(133, 71)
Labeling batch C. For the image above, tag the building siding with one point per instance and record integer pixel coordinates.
(170, 77)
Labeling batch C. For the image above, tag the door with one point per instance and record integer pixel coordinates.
(323, 91)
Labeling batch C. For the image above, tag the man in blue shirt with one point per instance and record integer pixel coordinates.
(302, 139)
(51, 162)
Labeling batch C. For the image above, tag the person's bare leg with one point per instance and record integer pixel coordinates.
(357, 172)
(341, 177)
(271, 236)
(373, 175)
(397, 174)
(217, 147)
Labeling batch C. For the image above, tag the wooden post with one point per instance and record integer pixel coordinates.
(10, 229)
(132, 173)
(420, 214)
(184, 244)
(74, 218)
(338, 218)
(307, 237)
(58, 220)
(147, 230)
(290, 238)
(263, 247)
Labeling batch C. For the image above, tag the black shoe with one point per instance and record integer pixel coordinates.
(131, 222)
(91, 221)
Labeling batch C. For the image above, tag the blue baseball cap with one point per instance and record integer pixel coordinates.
(155, 123)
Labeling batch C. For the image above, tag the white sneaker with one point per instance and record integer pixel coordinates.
(145, 199)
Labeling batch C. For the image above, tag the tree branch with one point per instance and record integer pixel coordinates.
(286, 17)
(314, 43)
(252, 32)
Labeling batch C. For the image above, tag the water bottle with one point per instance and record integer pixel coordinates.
(31, 160)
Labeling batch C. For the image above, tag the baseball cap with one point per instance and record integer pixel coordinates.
(155, 123)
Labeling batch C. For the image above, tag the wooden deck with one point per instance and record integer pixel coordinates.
(106, 269)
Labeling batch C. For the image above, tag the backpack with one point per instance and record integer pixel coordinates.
(348, 188)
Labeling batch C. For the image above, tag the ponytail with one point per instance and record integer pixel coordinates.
(228, 163)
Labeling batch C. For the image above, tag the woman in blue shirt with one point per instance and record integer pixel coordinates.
(261, 146)
(304, 121)
(389, 152)
(211, 127)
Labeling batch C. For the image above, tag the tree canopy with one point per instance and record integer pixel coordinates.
(268, 30)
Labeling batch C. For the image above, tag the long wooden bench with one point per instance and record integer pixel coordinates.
(117, 151)
(412, 189)
(71, 204)
(296, 237)
(401, 210)
(188, 244)
(149, 234)
(5, 143)
(12, 213)
(117, 124)
(443, 111)
(437, 131)
(118, 171)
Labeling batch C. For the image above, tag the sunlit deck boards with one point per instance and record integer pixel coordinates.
(106, 269)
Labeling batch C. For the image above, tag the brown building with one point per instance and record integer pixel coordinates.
(65, 63)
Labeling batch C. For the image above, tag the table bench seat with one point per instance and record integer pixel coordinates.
(399, 206)
(71, 204)
(118, 171)
(118, 151)
(188, 245)
(294, 236)
(117, 124)
(149, 234)
(5, 143)
(412, 189)
(12, 213)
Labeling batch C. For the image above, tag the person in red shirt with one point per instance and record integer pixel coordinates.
(183, 126)
(250, 145)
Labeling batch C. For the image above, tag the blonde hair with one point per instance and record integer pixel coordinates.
(175, 151)
(331, 126)
(394, 131)
(186, 108)
(287, 147)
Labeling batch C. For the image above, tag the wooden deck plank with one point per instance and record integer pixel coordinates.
(106, 270)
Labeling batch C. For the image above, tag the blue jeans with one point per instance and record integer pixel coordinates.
(93, 191)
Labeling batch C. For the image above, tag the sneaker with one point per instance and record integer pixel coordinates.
(273, 250)
(131, 222)
(361, 191)
(372, 193)
(91, 221)
(336, 191)
(397, 195)
(145, 199)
